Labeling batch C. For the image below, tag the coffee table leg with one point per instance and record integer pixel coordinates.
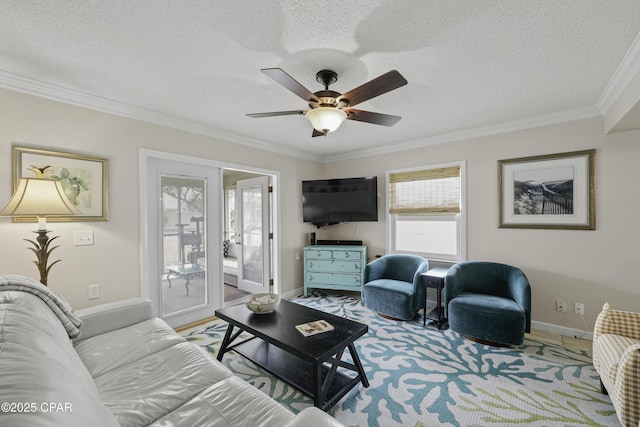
(225, 343)
(356, 361)
(318, 398)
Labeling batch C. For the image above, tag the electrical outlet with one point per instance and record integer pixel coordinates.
(578, 308)
(94, 291)
(561, 306)
(83, 238)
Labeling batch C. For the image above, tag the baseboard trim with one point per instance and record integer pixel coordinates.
(196, 323)
(562, 330)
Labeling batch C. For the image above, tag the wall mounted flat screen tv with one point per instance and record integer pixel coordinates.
(331, 201)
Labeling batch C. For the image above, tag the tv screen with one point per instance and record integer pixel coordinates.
(331, 201)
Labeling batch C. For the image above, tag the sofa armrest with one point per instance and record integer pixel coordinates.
(617, 322)
(313, 417)
(108, 317)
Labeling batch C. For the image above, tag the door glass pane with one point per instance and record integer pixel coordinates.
(252, 251)
(230, 215)
(183, 241)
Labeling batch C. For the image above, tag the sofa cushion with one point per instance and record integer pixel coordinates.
(109, 351)
(230, 266)
(231, 402)
(27, 321)
(313, 417)
(31, 377)
(147, 389)
(39, 366)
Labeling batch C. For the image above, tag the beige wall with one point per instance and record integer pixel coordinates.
(575, 266)
(114, 260)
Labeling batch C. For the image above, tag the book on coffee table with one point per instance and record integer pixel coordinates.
(313, 328)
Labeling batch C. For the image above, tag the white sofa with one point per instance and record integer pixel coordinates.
(616, 358)
(229, 264)
(126, 368)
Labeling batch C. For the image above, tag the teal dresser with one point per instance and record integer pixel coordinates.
(334, 267)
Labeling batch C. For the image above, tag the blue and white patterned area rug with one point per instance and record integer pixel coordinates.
(420, 376)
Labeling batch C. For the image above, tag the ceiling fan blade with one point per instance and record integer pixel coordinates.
(275, 113)
(317, 133)
(383, 84)
(370, 117)
(280, 76)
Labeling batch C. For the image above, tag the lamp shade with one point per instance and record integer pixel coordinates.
(39, 197)
(326, 119)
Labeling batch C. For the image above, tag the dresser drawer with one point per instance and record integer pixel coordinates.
(333, 279)
(332, 254)
(334, 265)
(347, 255)
(318, 254)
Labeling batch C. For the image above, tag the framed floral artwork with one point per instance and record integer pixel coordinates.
(85, 180)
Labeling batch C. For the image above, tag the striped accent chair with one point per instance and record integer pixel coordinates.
(616, 358)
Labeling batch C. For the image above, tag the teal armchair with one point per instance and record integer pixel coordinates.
(393, 286)
(488, 301)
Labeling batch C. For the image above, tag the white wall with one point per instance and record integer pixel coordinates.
(575, 266)
(114, 260)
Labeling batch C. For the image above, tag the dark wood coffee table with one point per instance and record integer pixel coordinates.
(308, 363)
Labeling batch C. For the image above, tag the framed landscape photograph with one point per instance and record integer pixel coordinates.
(553, 191)
(83, 178)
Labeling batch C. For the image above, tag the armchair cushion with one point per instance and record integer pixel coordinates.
(490, 318)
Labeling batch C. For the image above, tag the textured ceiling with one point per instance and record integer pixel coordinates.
(196, 64)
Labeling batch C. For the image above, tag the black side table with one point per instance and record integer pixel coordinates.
(434, 279)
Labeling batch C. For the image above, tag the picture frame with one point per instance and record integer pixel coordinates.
(84, 178)
(553, 191)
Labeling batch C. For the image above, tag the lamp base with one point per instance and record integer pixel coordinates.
(42, 252)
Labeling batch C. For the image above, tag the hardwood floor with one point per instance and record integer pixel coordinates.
(566, 341)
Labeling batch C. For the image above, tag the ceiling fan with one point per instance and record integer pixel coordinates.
(329, 108)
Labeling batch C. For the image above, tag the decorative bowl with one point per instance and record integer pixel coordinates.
(263, 303)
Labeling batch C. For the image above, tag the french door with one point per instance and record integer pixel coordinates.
(252, 213)
(181, 232)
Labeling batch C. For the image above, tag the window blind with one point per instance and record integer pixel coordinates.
(427, 191)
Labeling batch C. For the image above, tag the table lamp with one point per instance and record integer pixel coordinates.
(42, 198)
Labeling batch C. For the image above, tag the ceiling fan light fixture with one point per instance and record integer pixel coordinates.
(326, 119)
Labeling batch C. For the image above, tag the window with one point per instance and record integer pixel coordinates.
(426, 213)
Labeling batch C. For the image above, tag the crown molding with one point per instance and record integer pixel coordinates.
(85, 100)
(627, 70)
(476, 132)
(77, 98)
